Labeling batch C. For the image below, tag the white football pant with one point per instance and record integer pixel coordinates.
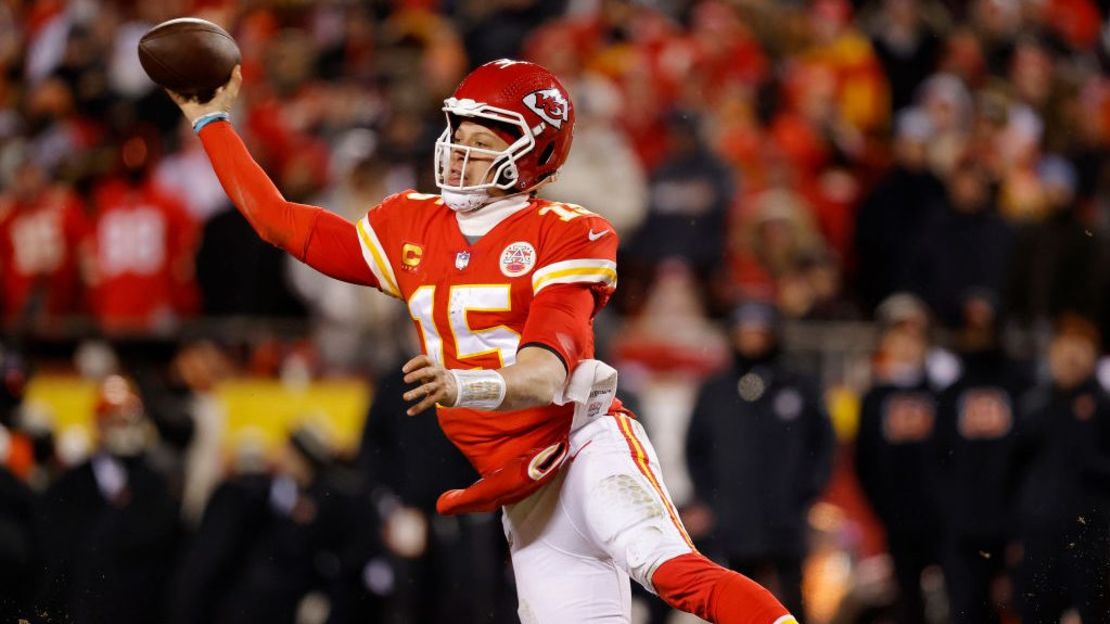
(576, 541)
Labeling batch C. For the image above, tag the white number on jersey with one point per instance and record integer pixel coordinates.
(469, 342)
(565, 212)
(37, 244)
(131, 241)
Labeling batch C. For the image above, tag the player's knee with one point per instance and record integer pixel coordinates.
(649, 546)
(635, 527)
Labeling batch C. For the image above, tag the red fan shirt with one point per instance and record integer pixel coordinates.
(144, 246)
(40, 242)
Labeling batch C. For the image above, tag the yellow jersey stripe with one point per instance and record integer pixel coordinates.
(383, 268)
(608, 276)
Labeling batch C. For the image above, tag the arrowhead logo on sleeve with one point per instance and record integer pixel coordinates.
(550, 105)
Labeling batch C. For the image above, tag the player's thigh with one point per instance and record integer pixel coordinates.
(560, 575)
(617, 495)
(554, 587)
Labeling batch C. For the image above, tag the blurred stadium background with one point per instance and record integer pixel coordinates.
(892, 187)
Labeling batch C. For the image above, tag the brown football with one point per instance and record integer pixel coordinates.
(189, 56)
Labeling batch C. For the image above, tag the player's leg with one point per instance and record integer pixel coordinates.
(621, 504)
(561, 576)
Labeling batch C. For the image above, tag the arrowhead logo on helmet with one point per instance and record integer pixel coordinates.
(509, 94)
(549, 104)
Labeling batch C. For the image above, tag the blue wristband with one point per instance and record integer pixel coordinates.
(204, 120)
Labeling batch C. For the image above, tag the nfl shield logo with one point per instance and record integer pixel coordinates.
(462, 259)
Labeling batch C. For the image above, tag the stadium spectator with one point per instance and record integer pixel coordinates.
(858, 99)
(43, 248)
(239, 275)
(895, 451)
(689, 197)
(110, 528)
(144, 246)
(905, 38)
(779, 255)
(1059, 263)
(759, 432)
(976, 434)
(268, 541)
(220, 544)
(602, 169)
(1063, 513)
(498, 29)
(185, 173)
(890, 220)
(19, 538)
(977, 244)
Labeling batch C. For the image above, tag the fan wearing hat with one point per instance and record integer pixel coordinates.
(759, 432)
(895, 454)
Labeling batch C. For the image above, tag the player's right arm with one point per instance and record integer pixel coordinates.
(323, 240)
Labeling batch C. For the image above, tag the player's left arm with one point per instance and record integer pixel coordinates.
(558, 332)
(529, 382)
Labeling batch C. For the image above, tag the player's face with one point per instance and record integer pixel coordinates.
(471, 167)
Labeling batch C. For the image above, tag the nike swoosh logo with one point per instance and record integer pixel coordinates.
(596, 235)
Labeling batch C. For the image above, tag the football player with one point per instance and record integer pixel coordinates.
(503, 287)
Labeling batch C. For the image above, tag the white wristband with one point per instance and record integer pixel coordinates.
(478, 389)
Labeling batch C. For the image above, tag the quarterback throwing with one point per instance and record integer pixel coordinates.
(503, 287)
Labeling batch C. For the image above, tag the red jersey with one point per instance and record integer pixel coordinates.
(144, 249)
(39, 254)
(471, 303)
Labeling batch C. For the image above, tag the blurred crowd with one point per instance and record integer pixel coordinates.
(975, 488)
(820, 154)
(935, 168)
(306, 533)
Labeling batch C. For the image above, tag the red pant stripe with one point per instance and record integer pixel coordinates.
(640, 458)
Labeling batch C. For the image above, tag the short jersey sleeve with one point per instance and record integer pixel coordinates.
(579, 247)
(376, 231)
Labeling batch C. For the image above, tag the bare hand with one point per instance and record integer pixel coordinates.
(436, 385)
(221, 102)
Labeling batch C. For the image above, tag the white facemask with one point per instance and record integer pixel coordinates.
(465, 201)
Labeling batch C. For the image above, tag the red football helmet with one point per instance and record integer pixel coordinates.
(526, 105)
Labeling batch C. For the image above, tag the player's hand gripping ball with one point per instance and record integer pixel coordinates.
(191, 57)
